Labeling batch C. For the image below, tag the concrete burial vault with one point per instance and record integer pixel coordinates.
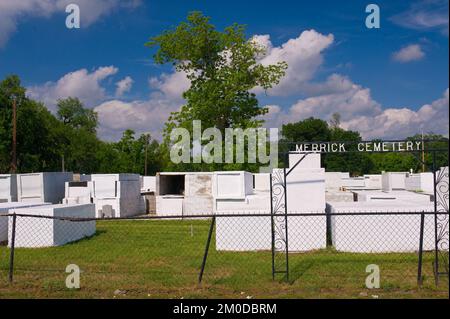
(184, 193)
(33, 232)
(5, 208)
(114, 195)
(310, 190)
(305, 194)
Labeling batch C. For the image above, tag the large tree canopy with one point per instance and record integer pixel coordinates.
(72, 112)
(222, 68)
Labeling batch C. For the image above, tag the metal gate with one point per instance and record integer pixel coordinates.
(280, 209)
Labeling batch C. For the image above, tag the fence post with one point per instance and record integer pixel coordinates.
(13, 243)
(205, 256)
(419, 269)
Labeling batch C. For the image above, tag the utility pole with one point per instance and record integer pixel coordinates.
(423, 154)
(14, 137)
(146, 149)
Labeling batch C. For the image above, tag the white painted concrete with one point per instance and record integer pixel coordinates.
(198, 199)
(78, 192)
(232, 184)
(259, 201)
(311, 160)
(393, 181)
(421, 182)
(184, 193)
(305, 194)
(339, 196)
(42, 187)
(4, 210)
(255, 233)
(379, 233)
(392, 197)
(373, 181)
(353, 183)
(8, 188)
(148, 184)
(117, 195)
(169, 205)
(261, 181)
(333, 180)
(33, 232)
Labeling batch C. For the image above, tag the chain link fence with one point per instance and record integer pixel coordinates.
(234, 255)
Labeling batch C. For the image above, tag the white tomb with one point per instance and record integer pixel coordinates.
(353, 183)
(339, 196)
(373, 233)
(42, 187)
(333, 180)
(233, 192)
(392, 197)
(169, 205)
(33, 232)
(117, 195)
(261, 182)
(79, 192)
(421, 182)
(232, 184)
(198, 198)
(148, 184)
(8, 188)
(373, 181)
(4, 210)
(393, 181)
(184, 193)
(305, 194)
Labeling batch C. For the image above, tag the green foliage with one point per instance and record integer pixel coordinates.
(355, 163)
(72, 112)
(45, 141)
(128, 155)
(222, 68)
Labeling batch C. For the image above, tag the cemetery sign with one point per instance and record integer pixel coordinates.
(372, 146)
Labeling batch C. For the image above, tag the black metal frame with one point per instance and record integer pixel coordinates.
(441, 209)
(279, 217)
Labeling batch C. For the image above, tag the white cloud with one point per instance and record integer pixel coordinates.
(82, 84)
(148, 116)
(360, 112)
(116, 115)
(143, 116)
(13, 11)
(403, 122)
(425, 15)
(412, 52)
(336, 94)
(124, 86)
(303, 56)
(171, 85)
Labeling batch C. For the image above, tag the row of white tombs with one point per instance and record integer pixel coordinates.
(324, 200)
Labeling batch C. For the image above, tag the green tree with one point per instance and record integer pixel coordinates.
(356, 164)
(36, 144)
(128, 155)
(73, 113)
(222, 68)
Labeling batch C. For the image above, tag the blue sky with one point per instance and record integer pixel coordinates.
(387, 82)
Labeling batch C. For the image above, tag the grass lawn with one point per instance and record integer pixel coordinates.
(161, 259)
